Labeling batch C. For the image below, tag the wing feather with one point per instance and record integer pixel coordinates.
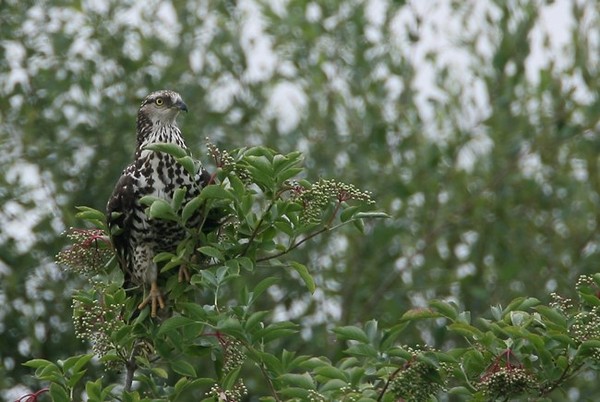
(119, 216)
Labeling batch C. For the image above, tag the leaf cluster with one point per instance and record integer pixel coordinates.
(208, 348)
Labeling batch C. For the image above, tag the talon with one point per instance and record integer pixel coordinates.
(184, 274)
(155, 297)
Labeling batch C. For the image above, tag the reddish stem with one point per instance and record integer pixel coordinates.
(495, 366)
(33, 397)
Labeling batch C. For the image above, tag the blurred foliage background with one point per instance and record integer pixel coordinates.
(473, 127)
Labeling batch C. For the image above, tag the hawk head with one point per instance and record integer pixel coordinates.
(161, 107)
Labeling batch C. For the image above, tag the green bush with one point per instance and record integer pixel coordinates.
(210, 347)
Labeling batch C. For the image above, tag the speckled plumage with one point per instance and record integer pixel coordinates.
(136, 237)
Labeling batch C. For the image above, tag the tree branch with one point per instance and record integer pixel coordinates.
(255, 231)
(387, 383)
(131, 367)
(305, 239)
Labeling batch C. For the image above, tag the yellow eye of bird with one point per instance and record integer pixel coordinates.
(159, 101)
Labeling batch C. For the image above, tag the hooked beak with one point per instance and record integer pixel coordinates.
(181, 106)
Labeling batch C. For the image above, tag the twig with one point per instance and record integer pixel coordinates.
(387, 383)
(131, 367)
(269, 382)
(32, 397)
(307, 238)
(293, 246)
(564, 375)
(255, 231)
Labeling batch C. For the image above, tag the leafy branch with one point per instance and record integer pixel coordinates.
(267, 210)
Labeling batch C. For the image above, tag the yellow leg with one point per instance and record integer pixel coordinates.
(155, 297)
(184, 274)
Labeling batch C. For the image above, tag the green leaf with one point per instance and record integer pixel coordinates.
(331, 372)
(58, 393)
(519, 318)
(231, 378)
(168, 148)
(164, 256)
(184, 368)
(359, 224)
(314, 362)
(596, 278)
(390, 335)
(285, 226)
(92, 389)
(178, 196)
(445, 308)
(90, 214)
(263, 285)
(362, 350)
(147, 200)
(246, 263)
(293, 394)
(260, 163)
(553, 316)
(131, 397)
(496, 312)
(305, 275)
(465, 330)
(336, 384)
(193, 310)
(591, 299)
(212, 252)
(304, 381)
(271, 362)
(207, 277)
(460, 391)
(372, 215)
(262, 172)
(589, 347)
(288, 174)
(174, 323)
(351, 333)
(521, 303)
(276, 330)
(348, 213)
(160, 209)
(38, 363)
(188, 164)
(160, 372)
(82, 361)
(419, 314)
(282, 163)
(191, 207)
(216, 191)
(255, 319)
(237, 185)
(74, 379)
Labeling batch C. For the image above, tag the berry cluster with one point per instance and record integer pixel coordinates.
(316, 198)
(416, 380)
(90, 252)
(237, 393)
(506, 377)
(507, 381)
(350, 394)
(562, 304)
(95, 321)
(233, 353)
(315, 396)
(585, 281)
(586, 325)
(225, 161)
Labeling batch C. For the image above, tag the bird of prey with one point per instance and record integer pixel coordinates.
(136, 237)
